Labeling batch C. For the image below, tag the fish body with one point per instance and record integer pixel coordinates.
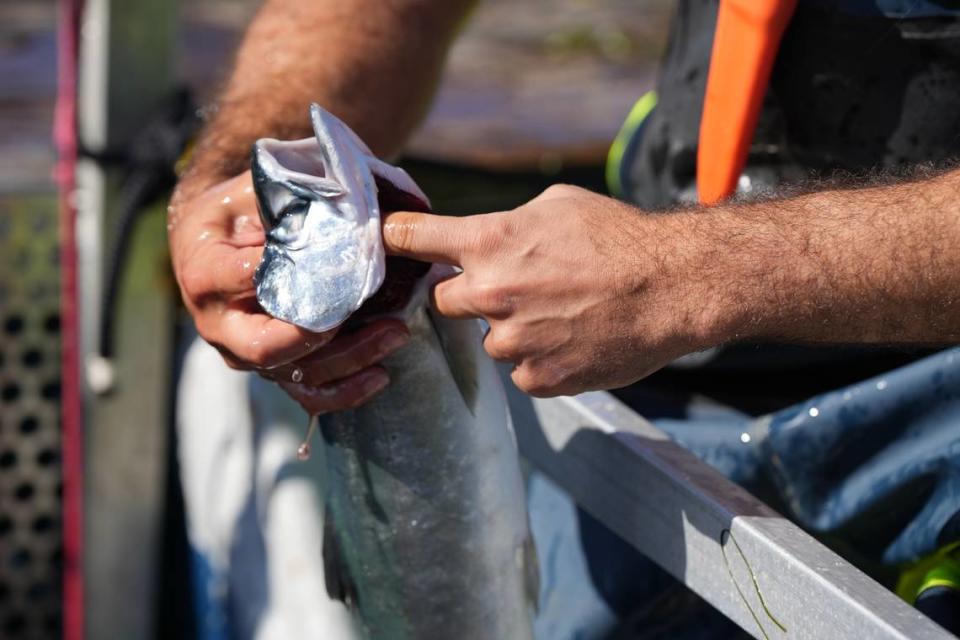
(429, 535)
(426, 534)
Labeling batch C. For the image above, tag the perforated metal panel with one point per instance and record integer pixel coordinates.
(30, 475)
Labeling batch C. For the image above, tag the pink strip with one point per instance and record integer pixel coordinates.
(65, 139)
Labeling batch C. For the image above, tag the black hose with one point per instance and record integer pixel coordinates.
(138, 190)
(149, 161)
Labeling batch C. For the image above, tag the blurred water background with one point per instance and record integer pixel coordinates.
(529, 83)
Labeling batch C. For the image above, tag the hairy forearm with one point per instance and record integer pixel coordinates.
(872, 265)
(373, 63)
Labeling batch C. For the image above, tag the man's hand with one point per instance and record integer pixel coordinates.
(575, 290)
(583, 292)
(373, 63)
(216, 241)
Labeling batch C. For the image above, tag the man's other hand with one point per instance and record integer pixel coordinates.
(216, 241)
(581, 291)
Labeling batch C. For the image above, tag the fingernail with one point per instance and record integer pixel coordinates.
(375, 382)
(393, 340)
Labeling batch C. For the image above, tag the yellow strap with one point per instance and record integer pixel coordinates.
(940, 569)
(641, 109)
(945, 575)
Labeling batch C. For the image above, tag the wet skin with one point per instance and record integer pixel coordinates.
(215, 254)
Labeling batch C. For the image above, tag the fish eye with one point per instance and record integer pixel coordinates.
(296, 206)
(289, 222)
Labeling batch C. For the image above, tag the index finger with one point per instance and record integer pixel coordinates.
(426, 237)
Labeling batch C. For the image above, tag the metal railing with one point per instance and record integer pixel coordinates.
(756, 567)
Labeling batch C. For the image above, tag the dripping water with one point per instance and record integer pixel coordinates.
(303, 451)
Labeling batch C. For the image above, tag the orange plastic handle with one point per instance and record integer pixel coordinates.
(744, 49)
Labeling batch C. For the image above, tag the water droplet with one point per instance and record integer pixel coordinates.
(744, 438)
(227, 200)
(881, 385)
(246, 265)
(303, 451)
(814, 412)
(204, 235)
(297, 375)
(240, 223)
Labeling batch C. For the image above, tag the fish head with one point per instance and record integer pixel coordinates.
(320, 201)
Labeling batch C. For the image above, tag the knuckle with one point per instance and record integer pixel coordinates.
(447, 298)
(491, 233)
(193, 284)
(208, 331)
(524, 379)
(535, 386)
(500, 227)
(490, 297)
(561, 190)
(404, 234)
(538, 381)
(504, 343)
(493, 350)
(511, 339)
(550, 382)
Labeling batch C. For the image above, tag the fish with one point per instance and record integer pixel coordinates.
(426, 533)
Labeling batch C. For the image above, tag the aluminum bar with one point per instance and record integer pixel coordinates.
(759, 569)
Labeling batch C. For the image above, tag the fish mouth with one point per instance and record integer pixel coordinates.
(320, 201)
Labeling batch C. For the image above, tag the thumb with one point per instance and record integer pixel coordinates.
(426, 237)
